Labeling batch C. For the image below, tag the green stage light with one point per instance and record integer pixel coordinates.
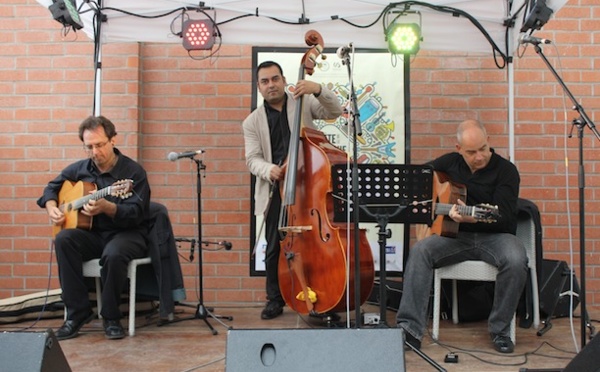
(65, 12)
(404, 38)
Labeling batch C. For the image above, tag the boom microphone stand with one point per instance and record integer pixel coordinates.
(344, 54)
(582, 121)
(202, 312)
(354, 114)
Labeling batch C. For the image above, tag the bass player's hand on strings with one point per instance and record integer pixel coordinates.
(277, 173)
(307, 87)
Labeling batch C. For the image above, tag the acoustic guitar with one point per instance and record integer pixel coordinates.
(74, 195)
(446, 193)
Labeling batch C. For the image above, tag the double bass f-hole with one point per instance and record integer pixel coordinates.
(327, 236)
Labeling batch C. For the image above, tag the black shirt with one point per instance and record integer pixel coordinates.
(132, 211)
(496, 184)
(279, 130)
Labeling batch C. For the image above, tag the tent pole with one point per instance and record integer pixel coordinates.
(98, 81)
(98, 63)
(511, 110)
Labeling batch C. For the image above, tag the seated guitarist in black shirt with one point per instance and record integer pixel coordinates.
(110, 223)
(489, 179)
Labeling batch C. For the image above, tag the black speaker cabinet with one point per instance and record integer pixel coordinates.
(555, 284)
(393, 295)
(588, 359)
(31, 352)
(331, 350)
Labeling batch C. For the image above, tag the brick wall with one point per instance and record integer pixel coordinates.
(162, 100)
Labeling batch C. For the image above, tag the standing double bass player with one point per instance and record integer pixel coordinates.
(266, 136)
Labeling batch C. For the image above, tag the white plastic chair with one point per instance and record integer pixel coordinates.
(481, 271)
(92, 269)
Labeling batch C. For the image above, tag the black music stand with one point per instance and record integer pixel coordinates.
(399, 193)
(385, 193)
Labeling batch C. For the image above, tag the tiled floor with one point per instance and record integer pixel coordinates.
(190, 345)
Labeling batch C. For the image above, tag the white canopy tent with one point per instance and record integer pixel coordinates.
(447, 25)
(284, 23)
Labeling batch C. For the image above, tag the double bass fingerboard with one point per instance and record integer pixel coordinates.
(402, 191)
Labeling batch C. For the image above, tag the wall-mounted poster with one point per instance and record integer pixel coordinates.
(379, 86)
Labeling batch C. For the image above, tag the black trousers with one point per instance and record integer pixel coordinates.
(273, 247)
(115, 250)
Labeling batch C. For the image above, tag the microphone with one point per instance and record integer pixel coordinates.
(186, 154)
(528, 39)
(227, 245)
(344, 50)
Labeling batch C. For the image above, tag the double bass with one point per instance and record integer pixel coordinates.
(316, 261)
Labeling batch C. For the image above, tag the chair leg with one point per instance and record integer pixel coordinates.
(436, 306)
(513, 329)
(99, 296)
(454, 302)
(536, 299)
(132, 293)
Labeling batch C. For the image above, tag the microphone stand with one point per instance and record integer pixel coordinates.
(354, 114)
(580, 122)
(357, 131)
(202, 312)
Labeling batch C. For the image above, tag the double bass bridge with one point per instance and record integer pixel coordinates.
(295, 229)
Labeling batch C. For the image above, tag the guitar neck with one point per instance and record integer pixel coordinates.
(463, 210)
(79, 203)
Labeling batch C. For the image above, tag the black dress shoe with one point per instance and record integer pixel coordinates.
(272, 310)
(503, 344)
(113, 330)
(70, 328)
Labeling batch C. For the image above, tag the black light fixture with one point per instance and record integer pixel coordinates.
(65, 12)
(403, 38)
(198, 34)
(538, 15)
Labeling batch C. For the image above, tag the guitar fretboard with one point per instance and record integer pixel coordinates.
(444, 209)
(79, 203)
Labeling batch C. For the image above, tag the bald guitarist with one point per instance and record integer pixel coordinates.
(116, 228)
(488, 179)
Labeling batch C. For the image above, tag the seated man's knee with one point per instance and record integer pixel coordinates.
(516, 259)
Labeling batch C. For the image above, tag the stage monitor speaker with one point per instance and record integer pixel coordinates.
(553, 274)
(331, 350)
(588, 359)
(31, 352)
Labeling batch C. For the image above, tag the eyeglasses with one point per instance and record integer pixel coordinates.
(98, 146)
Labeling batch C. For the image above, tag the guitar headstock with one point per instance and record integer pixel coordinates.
(122, 188)
(486, 213)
